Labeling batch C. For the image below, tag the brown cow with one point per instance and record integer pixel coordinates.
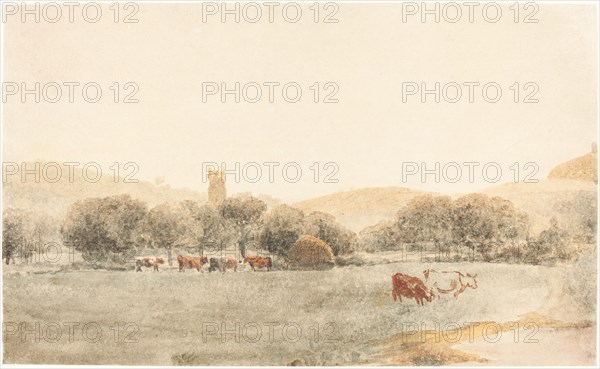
(446, 282)
(148, 262)
(189, 262)
(259, 262)
(410, 287)
(222, 264)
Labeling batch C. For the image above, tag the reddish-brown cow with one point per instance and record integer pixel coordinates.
(189, 262)
(410, 287)
(259, 262)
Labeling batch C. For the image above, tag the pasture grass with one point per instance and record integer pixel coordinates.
(329, 317)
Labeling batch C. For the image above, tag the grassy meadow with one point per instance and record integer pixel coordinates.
(331, 317)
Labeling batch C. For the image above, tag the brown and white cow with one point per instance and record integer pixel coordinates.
(258, 262)
(191, 262)
(410, 287)
(222, 264)
(148, 262)
(446, 282)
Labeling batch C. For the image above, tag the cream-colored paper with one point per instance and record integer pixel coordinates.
(321, 184)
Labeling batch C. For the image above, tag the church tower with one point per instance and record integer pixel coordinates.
(216, 188)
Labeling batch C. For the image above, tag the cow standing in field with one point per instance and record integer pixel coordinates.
(446, 282)
(189, 262)
(259, 262)
(222, 264)
(410, 287)
(148, 262)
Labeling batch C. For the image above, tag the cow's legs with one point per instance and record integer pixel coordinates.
(461, 290)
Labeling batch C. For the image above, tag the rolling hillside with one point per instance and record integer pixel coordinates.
(358, 209)
(55, 198)
(569, 194)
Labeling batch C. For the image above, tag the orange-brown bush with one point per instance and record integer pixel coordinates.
(309, 251)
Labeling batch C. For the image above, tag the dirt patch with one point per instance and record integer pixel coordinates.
(434, 347)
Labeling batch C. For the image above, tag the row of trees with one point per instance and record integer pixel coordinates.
(491, 228)
(24, 232)
(120, 224)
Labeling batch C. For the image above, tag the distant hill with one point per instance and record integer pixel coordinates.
(583, 168)
(358, 209)
(570, 201)
(569, 195)
(55, 198)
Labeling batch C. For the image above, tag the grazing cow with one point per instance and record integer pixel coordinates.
(222, 264)
(190, 262)
(259, 262)
(148, 262)
(446, 282)
(410, 287)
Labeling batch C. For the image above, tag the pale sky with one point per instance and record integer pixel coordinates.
(369, 133)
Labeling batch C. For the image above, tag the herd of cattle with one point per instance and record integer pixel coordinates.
(434, 285)
(196, 262)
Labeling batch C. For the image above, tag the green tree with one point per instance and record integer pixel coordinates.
(244, 215)
(427, 219)
(324, 227)
(99, 227)
(282, 227)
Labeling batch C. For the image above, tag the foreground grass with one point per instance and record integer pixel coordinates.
(263, 318)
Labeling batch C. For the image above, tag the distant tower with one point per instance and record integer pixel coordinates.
(216, 188)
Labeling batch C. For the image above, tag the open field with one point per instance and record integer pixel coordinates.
(339, 316)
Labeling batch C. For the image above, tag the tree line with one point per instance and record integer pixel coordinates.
(491, 228)
(476, 225)
(101, 228)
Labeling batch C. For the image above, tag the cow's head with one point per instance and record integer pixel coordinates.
(471, 280)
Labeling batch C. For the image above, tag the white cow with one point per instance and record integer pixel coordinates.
(446, 282)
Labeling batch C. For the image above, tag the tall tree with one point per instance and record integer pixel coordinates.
(165, 226)
(324, 227)
(281, 228)
(98, 227)
(427, 220)
(244, 215)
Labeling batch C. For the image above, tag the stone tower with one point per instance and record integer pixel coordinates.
(216, 188)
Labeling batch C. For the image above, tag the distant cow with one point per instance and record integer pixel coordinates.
(148, 262)
(410, 287)
(222, 264)
(259, 262)
(190, 262)
(445, 282)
